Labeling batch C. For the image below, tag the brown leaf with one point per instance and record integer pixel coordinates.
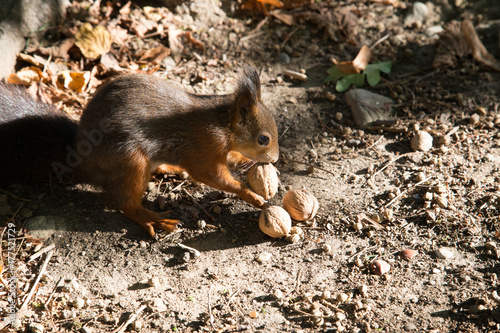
(75, 81)
(452, 46)
(60, 50)
(176, 46)
(26, 76)
(339, 24)
(93, 42)
(155, 55)
(193, 41)
(479, 51)
(283, 17)
(358, 64)
(125, 10)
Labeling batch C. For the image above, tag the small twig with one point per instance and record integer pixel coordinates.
(197, 204)
(316, 167)
(178, 186)
(331, 306)
(53, 293)
(40, 252)
(195, 252)
(366, 249)
(210, 306)
(297, 280)
(258, 27)
(33, 287)
(123, 326)
(389, 163)
(380, 40)
(248, 37)
(295, 75)
(10, 194)
(230, 298)
(372, 146)
(288, 37)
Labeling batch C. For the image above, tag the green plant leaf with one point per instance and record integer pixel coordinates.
(350, 79)
(372, 76)
(335, 74)
(384, 66)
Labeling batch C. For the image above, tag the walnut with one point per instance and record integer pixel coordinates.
(274, 221)
(263, 180)
(300, 204)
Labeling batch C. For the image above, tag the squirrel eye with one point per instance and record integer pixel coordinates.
(263, 140)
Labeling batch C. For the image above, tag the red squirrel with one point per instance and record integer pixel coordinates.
(133, 125)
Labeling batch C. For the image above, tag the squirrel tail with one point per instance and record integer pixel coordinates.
(34, 137)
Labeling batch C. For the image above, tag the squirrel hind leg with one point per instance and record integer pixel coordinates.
(125, 188)
(163, 169)
(150, 220)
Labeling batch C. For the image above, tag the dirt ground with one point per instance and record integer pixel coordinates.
(377, 197)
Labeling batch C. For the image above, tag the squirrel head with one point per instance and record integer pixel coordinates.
(253, 126)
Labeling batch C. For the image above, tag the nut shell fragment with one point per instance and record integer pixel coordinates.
(275, 222)
(263, 180)
(380, 267)
(300, 204)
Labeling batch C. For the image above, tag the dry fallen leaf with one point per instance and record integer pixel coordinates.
(60, 50)
(358, 64)
(75, 81)
(479, 51)
(458, 40)
(452, 46)
(93, 42)
(286, 18)
(26, 76)
(155, 55)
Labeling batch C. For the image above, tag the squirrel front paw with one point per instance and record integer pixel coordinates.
(256, 200)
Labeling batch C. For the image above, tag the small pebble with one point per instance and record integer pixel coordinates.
(343, 297)
(474, 119)
(410, 327)
(296, 230)
(157, 305)
(184, 257)
(294, 238)
(137, 325)
(422, 141)
(278, 294)
(153, 281)
(263, 257)
(253, 314)
(284, 58)
(86, 329)
(363, 290)
(36, 328)
(202, 224)
(490, 246)
(217, 210)
(79, 303)
(338, 116)
(327, 248)
(445, 253)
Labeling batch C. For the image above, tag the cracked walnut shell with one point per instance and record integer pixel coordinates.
(274, 221)
(300, 204)
(263, 180)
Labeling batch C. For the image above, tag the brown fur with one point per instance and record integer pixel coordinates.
(138, 122)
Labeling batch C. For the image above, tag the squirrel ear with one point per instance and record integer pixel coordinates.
(245, 107)
(247, 95)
